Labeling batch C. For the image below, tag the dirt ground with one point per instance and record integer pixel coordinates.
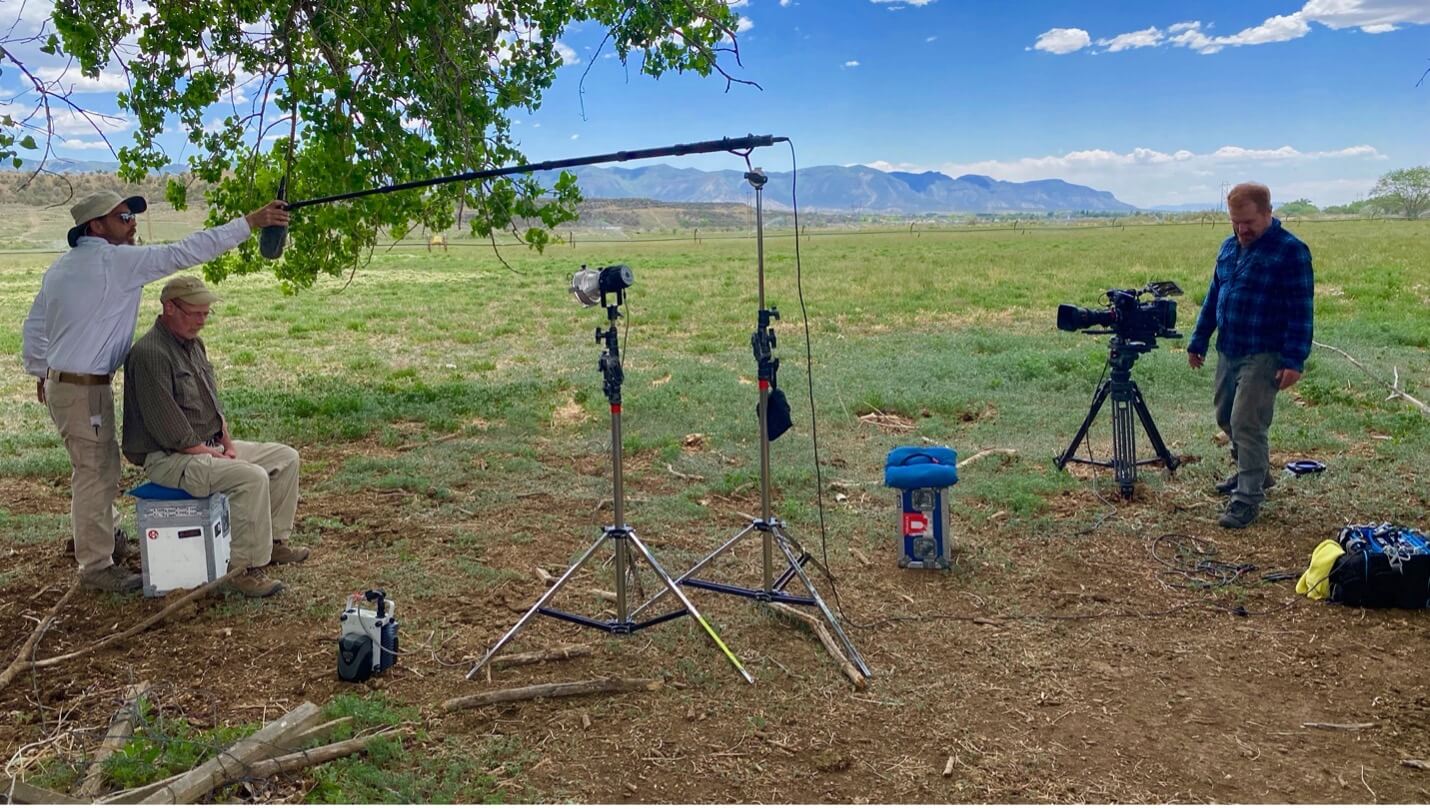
(1062, 662)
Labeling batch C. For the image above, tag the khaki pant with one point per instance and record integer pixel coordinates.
(84, 415)
(1245, 402)
(262, 489)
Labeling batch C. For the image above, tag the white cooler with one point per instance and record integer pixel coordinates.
(183, 540)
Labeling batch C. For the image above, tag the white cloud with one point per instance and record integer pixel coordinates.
(930, 39)
(1370, 16)
(567, 54)
(1361, 13)
(784, 3)
(903, 2)
(1146, 38)
(575, 137)
(70, 122)
(1062, 40)
(852, 63)
(76, 143)
(1145, 176)
(744, 25)
(70, 78)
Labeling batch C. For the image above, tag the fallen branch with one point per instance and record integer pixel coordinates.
(1394, 384)
(272, 766)
(18, 791)
(1338, 726)
(299, 740)
(985, 453)
(121, 727)
(304, 759)
(193, 595)
(438, 440)
(1415, 764)
(608, 686)
(540, 656)
(682, 475)
(233, 763)
(822, 632)
(20, 663)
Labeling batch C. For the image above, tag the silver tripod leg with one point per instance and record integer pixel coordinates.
(710, 557)
(783, 542)
(540, 602)
(675, 590)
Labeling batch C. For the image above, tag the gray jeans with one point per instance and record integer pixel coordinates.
(1245, 402)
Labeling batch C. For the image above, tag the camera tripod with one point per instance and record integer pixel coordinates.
(1126, 400)
(621, 536)
(772, 531)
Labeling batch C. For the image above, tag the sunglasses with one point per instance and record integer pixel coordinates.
(125, 217)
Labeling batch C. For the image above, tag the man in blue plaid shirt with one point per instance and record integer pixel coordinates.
(1260, 305)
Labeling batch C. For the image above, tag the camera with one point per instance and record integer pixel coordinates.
(1127, 315)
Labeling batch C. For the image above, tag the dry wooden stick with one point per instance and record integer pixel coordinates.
(20, 663)
(121, 727)
(17, 791)
(133, 796)
(822, 632)
(233, 763)
(1338, 726)
(297, 741)
(428, 443)
(985, 453)
(608, 686)
(193, 595)
(1394, 384)
(540, 656)
(317, 755)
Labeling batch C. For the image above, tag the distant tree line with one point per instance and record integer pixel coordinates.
(49, 189)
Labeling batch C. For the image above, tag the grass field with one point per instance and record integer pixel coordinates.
(454, 432)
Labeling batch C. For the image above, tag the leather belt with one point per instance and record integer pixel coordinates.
(78, 379)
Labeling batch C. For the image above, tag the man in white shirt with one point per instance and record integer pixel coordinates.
(77, 335)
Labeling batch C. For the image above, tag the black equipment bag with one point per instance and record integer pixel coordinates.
(1383, 566)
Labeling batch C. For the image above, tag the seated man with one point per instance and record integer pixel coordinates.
(174, 427)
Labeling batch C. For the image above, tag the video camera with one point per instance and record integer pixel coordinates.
(1127, 315)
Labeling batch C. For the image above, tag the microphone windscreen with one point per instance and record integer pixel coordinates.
(270, 241)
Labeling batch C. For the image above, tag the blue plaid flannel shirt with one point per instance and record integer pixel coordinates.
(1260, 300)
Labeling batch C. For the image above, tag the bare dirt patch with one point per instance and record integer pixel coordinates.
(1054, 663)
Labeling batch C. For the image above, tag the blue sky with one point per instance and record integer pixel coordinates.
(1159, 103)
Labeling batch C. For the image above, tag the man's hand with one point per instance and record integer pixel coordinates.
(226, 441)
(40, 390)
(274, 213)
(1195, 360)
(1286, 377)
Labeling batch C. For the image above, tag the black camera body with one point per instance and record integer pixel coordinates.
(1127, 315)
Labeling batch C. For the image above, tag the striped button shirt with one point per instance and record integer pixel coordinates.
(1260, 300)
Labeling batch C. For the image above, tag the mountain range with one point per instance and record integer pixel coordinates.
(845, 189)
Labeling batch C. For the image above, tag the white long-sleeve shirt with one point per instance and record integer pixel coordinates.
(83, 319)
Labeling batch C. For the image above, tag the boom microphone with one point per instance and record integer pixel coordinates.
(271, 242)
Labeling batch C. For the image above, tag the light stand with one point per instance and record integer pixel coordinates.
(773, 532)
(622, 537)
(1126, 400)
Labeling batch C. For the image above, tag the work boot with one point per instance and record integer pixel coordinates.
(254, 583)
(113, 579)
(284, 554)
(1238, 514)
(1228, 486)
